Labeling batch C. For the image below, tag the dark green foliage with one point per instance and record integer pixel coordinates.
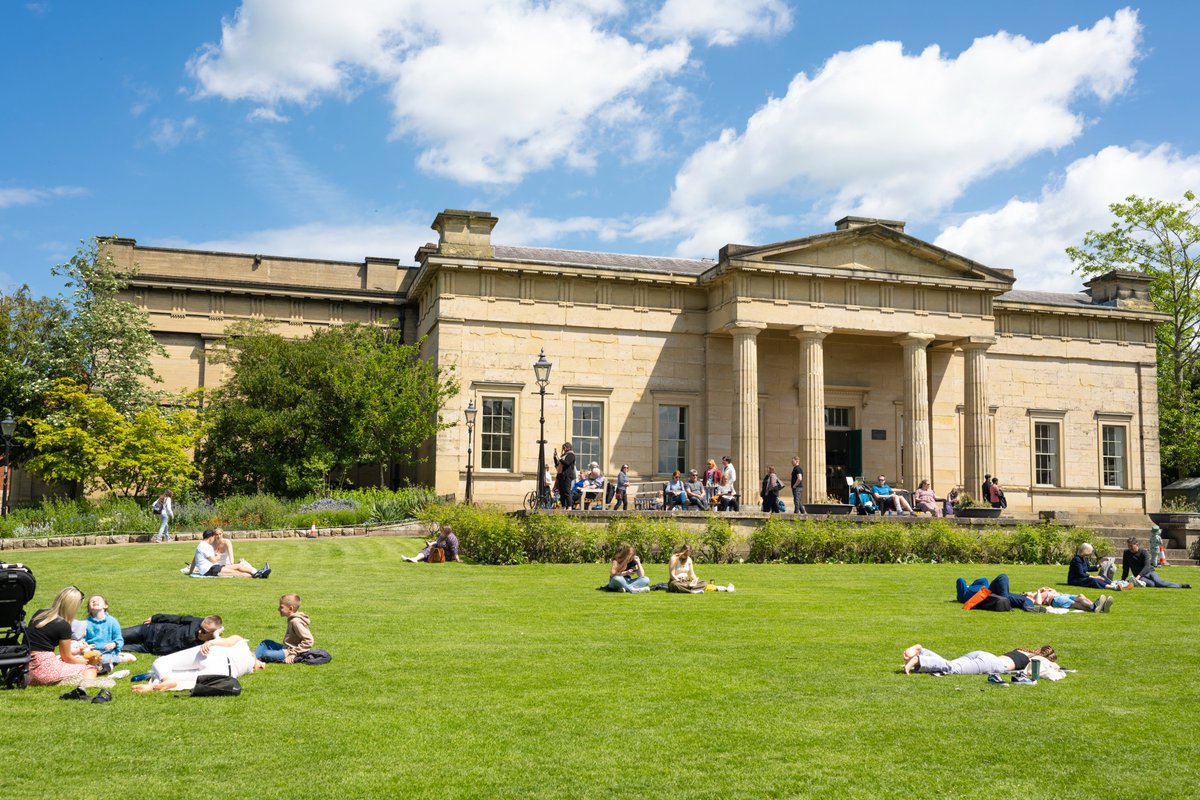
(486, 535)
(717, 542)
(295, 414)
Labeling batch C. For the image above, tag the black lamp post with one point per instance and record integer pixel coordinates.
(7, 426)
(470, 415)
(541, 373)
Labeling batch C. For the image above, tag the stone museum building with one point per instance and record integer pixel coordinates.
(863, 350)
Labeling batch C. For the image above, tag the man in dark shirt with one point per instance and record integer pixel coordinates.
(163, 634)
(797, 486)
(1137, 560)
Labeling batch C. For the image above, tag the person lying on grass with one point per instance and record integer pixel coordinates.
(683, 575)
(976, 662)
(626, 574)
(220, 656)
(1052, 598)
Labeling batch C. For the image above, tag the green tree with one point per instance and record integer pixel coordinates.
(106, 344)
(1162, 240)
(82, 439)
(294, 414)
(26, 325)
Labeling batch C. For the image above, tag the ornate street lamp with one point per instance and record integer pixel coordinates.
(7, 426)
(470, 415)
(541, 373)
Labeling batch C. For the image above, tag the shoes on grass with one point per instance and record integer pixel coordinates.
(1021, 677)
(78, 693)
(103, 696)
(127, 657)
(1103, 604)
(265, 572)
(996, 680)
(731, 588)
(639, 590)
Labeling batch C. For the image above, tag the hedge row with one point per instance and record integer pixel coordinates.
(493, 536)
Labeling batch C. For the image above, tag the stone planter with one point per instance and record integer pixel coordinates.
(1174, 518)
(829, 508)
(978, 512)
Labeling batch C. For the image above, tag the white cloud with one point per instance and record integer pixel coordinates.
(263, 114)
(720, 22)
(1030, 236)
(880, 132)
(492, 89)
(19, 196)
(168, 134)
(398, 237)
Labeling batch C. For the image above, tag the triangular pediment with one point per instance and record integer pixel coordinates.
(872, 249)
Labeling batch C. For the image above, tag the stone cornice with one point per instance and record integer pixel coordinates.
(143, 280)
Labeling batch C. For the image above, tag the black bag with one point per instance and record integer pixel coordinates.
(216, 686)
(314, 657)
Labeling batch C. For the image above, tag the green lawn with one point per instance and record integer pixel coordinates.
(467, 681)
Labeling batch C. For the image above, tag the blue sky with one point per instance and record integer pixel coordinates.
(339, 129)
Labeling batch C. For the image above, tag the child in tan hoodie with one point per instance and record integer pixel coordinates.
(297, 640)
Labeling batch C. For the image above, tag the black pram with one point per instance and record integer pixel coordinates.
(17, 586)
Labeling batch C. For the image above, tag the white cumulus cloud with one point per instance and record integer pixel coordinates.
(1031, 236)
(882, 132)
(491, 89)
(720, 22)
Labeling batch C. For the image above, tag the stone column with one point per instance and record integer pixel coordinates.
(745, 406)
(977, 429)
(811, 369)
(918, 453)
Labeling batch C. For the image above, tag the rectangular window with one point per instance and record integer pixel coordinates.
(587, 430)
(496, 434)
(837, 418)
(672, 439)
(1045, 453)
(1113, 455)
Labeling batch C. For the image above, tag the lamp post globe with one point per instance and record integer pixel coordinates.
(541, 374)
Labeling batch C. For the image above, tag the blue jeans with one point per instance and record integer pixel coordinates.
(1152, 578)
(999, 585)
(163, 532)
(269, 650)
(619, 583)
(965, 592)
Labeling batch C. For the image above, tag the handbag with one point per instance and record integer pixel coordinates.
(437, 556)
(216, 686)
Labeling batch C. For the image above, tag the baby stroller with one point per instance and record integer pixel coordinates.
(17, 586)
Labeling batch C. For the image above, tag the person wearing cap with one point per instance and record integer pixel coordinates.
(693, 490)
(1140, 562)
(1155, 546)
(1077, 571)
(621, 496)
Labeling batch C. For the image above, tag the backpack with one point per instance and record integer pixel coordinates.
(314, 657)
(156, 507)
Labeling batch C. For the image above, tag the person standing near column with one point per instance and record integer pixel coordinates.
(729, 473)
(797, 486)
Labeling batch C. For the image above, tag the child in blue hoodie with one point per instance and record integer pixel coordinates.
(104, 632)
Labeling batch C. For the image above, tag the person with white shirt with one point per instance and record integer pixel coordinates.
(213, 559)
(728, 472)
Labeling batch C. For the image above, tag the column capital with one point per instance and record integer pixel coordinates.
(745, 327)
(810, 332)
(918, 339)
(976, 342)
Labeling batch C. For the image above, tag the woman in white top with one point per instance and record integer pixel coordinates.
(166, 510)
(214, 559)
(683, 575)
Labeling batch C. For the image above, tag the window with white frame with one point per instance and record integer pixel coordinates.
(587, 432)
(1112, 456)
(672, 438)
(1045, 453)
(496, 433)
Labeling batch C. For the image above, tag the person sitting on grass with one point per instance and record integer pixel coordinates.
(296, 640)
(214, 556)
(103, 632)
(626, 573)
(683, 575)
(1077, 571)
(976, 662)
(179, 671)
(1137, 560)
(50, 628)
(446, 543)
